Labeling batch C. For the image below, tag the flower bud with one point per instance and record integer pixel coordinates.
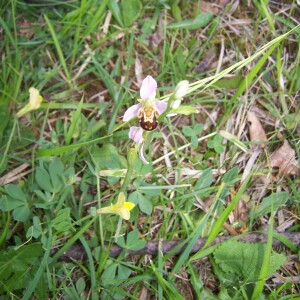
(181, 89)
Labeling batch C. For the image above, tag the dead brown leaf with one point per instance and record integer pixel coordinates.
(214, 8)
(25, 28)
(257, 133)
(285, 160)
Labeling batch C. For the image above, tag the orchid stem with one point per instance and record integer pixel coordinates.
(131, 161)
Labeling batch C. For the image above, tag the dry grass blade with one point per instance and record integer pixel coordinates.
(15, 174)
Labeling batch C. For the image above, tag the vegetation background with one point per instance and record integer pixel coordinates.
(228, 170)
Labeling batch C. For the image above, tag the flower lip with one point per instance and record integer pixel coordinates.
(148, 88)
(136, 134)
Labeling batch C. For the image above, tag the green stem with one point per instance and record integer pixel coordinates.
(131, 161)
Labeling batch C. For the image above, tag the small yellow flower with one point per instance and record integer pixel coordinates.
(35, 100)
(121, 208)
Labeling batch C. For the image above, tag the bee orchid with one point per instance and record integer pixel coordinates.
(147, 111)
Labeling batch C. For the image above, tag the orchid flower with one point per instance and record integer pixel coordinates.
(148, 110)
(35, 100)
(121, 208)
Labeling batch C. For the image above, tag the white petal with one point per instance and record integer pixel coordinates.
(171, 115)
(131, 112)
(161, 106)
(148, 88)
(136, 134)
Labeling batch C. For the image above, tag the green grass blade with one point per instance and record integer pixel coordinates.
(254, 71)
(63, 149)
(92, 267)
(286, 242)
(72, 240)
(195, 235)
(219, 224)
(267, 255)
(96, 17)
(205, 83)
(43, 265)
(58, 48)
(74, 121)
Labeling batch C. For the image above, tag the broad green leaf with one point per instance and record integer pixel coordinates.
(56, 170)
(131, 9)
(216, 144)
(198, 128)
(42, 178)
(22, 213)
(245, 259)
(109, 274)
(7, 204)
(15, 192)
(146, 206)
(35, 230)
(62, 222)
(188, 131)
(194, 141)
(230, 175)
(219, 148)
(200, 21)
(276, 200)
(134, 242)
(123, 272)
(205, 179)
(139, 199)
(107, 157)
(80, 285)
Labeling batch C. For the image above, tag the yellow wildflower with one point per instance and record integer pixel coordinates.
(35, 100)
(121, 208)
